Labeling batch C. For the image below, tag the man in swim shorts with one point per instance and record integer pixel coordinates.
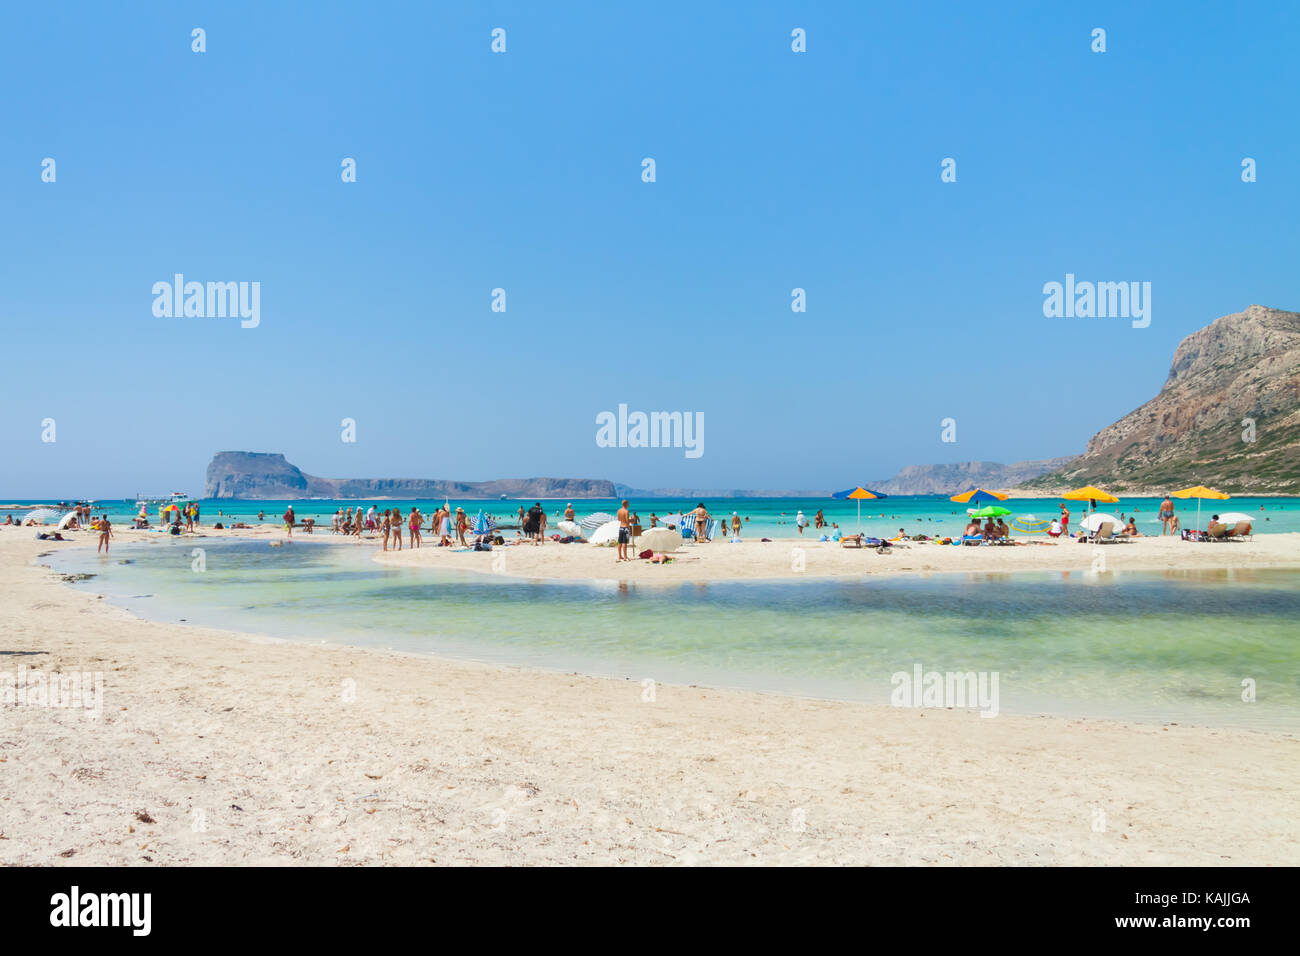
(624, 532)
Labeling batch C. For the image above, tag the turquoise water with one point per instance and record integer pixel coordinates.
(771, 517)
(1152, 647)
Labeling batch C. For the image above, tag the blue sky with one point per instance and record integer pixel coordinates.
(522, 170)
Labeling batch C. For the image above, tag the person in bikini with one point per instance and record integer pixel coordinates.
(105, 532)
(701, 514)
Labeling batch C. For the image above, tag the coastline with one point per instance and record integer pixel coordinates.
(446, 762)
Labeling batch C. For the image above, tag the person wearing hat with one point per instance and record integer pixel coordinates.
(800, 522)
(568, 511)
(735, 526)
(462, 525)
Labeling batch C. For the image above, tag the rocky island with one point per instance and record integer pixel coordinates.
(248, 474)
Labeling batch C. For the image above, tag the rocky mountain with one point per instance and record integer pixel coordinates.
(1228, 417)
(246, 474)
(949, 479)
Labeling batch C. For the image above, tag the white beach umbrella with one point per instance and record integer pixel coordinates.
(1234, 516)
(592, 522)
(1094, 521)
(661, 540)
(40, 515)
(605, 534)
(65, 520)
(674, 520)
(568, 528)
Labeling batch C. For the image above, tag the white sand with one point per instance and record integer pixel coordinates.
(444, 762)
(796, 557)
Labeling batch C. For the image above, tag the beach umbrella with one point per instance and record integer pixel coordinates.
(65, 520)
(1231, 517)
(592, 522)
(661, 540)
(858, 494)
(976, 496)
(1098, 518)
(990, 511)
(482, 524)
(1198, 492)
(569, 528)
(40, 515)
(605, 534)
(1090, 493)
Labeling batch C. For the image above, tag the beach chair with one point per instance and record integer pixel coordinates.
(972, 539)
(1218, 532)
(1242, 529)
(851, 541)
(1105, 534)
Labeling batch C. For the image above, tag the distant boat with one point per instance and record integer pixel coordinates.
(503, 497)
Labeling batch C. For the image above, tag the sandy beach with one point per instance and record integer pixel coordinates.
(806, 557)
(215, 748)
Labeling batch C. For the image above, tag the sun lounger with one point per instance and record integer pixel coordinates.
(851, 541)
(972, 539)
(1242, 529)
(1105, 531)
(1217, 532)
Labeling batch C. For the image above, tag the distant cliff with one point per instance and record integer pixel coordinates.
(1228, 416)
(246, 474)
(950, 479)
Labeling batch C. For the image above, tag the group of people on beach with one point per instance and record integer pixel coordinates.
(390, 524)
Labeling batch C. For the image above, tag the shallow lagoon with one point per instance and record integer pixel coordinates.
(1171, 646)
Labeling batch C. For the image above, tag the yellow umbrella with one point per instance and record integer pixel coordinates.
(1089, 493)
(1199, 492)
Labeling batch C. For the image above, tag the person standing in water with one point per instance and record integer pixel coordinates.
(105, 532)
(800, 522)
(289, 521)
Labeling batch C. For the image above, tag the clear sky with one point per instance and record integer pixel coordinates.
(523, 170)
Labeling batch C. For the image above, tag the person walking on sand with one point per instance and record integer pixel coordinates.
(624, 532)
(289, 521)
(1166, 515)
(105, 532)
